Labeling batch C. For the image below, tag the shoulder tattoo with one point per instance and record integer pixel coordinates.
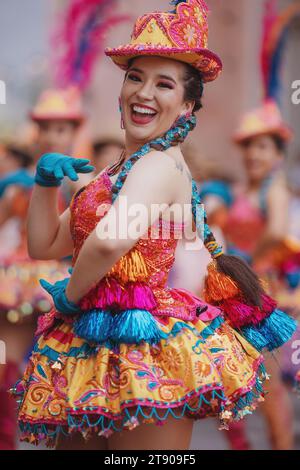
(180, 167)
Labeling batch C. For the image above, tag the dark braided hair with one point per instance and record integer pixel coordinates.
(193, 86)
(232, 266)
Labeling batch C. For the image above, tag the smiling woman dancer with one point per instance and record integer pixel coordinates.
(122, 353)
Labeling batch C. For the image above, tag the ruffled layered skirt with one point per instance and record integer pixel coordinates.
(197, 369)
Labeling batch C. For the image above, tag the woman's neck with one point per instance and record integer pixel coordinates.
(132, 147)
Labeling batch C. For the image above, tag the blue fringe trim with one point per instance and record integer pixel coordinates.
(83, 422)
(134, 326)
(271, 333)
(95, 325)
(128, 326)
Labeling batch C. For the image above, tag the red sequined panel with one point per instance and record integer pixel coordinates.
(87, 208)
(157, 248)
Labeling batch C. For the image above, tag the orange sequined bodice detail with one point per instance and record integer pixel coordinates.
(92, 203)
(156, 248)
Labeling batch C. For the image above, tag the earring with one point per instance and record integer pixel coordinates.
(120, 109)
(182, 118)
(186, 116)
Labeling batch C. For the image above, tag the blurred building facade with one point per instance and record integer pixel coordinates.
(235, 34)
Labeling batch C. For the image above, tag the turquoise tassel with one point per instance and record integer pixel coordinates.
(280, 327)
(271, 333)
(254, 337)
(94, 325)
(134, 326)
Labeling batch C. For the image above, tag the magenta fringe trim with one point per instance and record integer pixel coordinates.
(109, 294)
(240, 314)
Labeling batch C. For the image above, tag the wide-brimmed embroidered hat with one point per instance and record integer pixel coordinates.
(181, 34)
(59, 104)
(264, 120)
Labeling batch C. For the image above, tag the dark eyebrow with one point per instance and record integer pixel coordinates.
(167, 77)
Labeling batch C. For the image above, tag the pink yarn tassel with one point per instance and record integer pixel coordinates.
(138, 295)
(269, 304)
(110, 294)
(241, 315)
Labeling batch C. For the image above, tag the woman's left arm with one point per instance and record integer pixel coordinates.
(152, 181)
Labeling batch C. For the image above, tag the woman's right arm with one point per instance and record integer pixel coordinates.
(49, 235)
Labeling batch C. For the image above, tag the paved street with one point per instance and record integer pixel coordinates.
(206, 435)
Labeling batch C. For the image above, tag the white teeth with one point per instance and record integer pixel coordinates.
(137, 109)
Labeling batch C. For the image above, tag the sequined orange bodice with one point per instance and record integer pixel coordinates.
(156, 248)
(154, 252)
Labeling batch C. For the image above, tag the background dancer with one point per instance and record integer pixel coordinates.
(121, 349)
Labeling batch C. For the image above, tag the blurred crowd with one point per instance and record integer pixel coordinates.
(257, 218)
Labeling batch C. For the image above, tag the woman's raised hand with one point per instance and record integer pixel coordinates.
(53, 167)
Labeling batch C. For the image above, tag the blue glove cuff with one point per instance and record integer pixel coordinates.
(65, 306)
(46, 182)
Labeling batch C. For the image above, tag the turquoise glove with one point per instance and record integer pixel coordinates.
(19, 178)
(53, 167)
(58, 294)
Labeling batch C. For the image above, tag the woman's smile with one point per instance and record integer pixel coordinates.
(142, 114)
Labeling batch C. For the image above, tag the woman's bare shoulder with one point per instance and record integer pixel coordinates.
(156, 164)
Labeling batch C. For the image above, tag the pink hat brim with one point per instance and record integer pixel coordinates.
(36, 117)
(204, 60)
(284, 132)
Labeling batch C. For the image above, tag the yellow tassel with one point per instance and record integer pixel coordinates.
(131, 267)
(218, 286)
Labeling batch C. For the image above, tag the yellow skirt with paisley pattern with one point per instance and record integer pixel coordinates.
(201, 369)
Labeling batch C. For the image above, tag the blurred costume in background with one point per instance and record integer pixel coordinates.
(78, 40)
(105, 152)
(14, 162)
(254, 230)
(252, 214)
(58, 114)
(59, 118)
(136, 350)
(288, 267)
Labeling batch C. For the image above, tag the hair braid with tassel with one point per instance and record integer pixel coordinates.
(231, 273)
